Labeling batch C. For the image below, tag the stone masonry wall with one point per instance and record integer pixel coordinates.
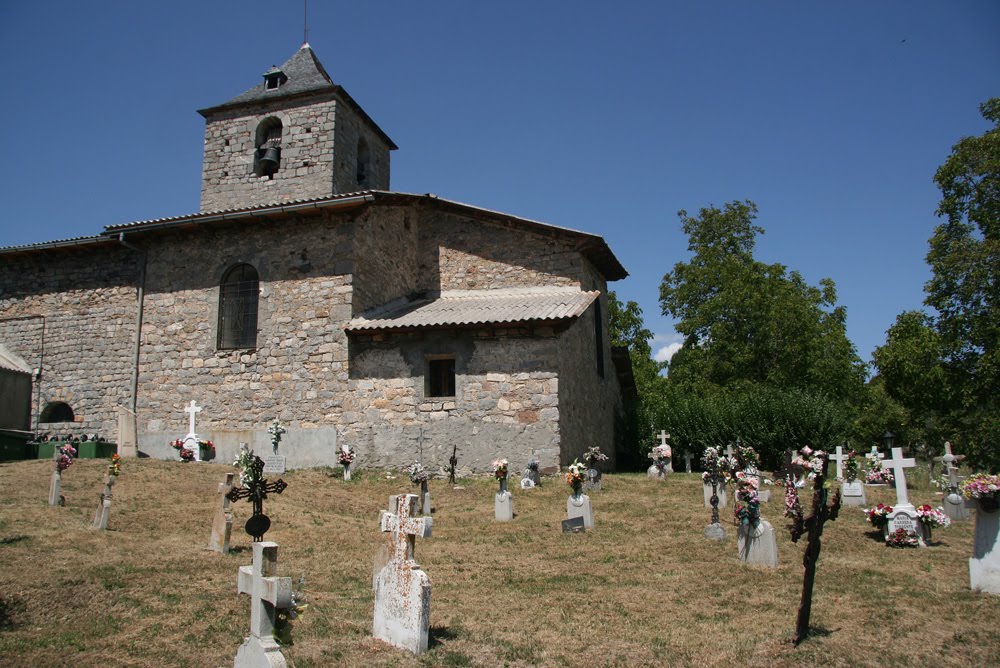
(298, 371)
(590, 404)
(385, 256)
(319, 144)
(459, 253)
(506, 402)
(84, 340)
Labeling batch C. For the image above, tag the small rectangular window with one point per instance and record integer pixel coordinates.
(440, 379)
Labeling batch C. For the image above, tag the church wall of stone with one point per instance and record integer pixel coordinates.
(589, 403)
(385, 256)
(298, 372)
(307, 154)
(84, 340)
(506, 402)
(350, 129)
(460, 253)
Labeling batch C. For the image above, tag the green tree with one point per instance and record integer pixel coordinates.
(745, 322)
(964, 289)
(628, 329)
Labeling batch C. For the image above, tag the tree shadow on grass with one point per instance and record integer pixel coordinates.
(238, 549)
(876, 536)
(437, 634)
(816, 632)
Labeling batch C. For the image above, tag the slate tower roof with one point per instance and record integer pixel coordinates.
(304, 72)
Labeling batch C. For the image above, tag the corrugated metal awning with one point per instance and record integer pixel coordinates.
(12, 362)
(469, 308)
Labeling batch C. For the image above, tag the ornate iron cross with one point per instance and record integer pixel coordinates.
(453, 462)
(822, 511)
(256, 489)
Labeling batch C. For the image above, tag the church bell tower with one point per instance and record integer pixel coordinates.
(296, 135)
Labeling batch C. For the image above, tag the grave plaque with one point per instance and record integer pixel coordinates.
(274, 464)
(573, 525)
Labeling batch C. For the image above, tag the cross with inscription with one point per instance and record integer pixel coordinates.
(256, 488)
(405, 527)
(268, 593)
(191, 440)
(898, 465)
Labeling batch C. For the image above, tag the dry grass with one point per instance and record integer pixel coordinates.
(644, 589)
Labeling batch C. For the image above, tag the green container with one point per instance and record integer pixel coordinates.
(85, 450)
(14, 446)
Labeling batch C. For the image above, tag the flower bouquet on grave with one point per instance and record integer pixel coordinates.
(185, 454)
(902, 538)
(851, 466)
(793, 510)
(717, 464)
(575, 474)
(983, 487)
(500, 469)
(878, 515)
(276, 430)
(283, 617)
(593, 456)
(661, 455)
(115, 467)
(876, 474)
(65, 460)
(418, 474)
(244, 462)
(746, 509)
(345, 457)
(207, 448)
(932, 518)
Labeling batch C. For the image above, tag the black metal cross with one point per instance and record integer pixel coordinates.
(453, 461)
(822, 511)
(256, 489)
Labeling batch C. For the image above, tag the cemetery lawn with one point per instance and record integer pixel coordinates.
(643, 589)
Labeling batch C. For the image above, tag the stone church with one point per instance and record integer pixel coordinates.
(306, 290)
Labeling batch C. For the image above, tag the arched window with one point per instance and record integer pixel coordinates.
(238, 295)
(364, 162)
(267, 151)
(57, 411)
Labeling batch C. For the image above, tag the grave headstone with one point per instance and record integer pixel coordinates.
(687, 462)
(839, 457)
(104, 505)
(55, 484)
(578, 505)
(268, 594)
(274, 464)
(532, 472)
(425, 498)
(720, 490)
(757, 544)
(663, 436)
(904, 514)
(853, 493)
(402, 588)
(953, 504)
(191, 440)
(222, 523)
(503, 503)
(984, 565)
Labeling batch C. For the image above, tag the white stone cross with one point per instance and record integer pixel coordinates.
(947, 458)
(192, 408)
(875, 454)
(839, 458)
(729, 450)
(405, 527)
(268, 593)
(191, 440)
(687, 461)
(663, 436)
(898, 465)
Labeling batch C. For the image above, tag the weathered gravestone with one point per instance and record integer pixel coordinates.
(503, 503)
(839, 458)
(222, 523)
(104, 505)
(268, 594)
(954, 505)
(402, 588)
(984, 565)
(720, 492)
(687, 462)
(904, 514)
(757, 544)
(55, 484)
(578, 505)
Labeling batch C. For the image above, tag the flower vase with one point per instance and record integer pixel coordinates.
(577, 488)
(989, 504)
(347, 471)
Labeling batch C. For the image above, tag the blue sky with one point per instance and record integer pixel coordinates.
(603, 117)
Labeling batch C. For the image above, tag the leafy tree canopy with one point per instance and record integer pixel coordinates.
(747, 322)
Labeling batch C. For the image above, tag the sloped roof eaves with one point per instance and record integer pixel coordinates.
(479, 310)
(60, 243)
(12, 362)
